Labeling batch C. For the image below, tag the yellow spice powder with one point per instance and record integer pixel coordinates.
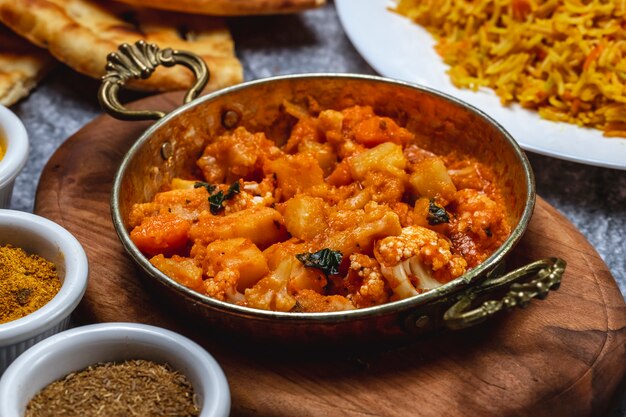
(27, 282)
(1, 151)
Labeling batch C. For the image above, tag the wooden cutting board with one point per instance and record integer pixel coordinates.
(564, 356)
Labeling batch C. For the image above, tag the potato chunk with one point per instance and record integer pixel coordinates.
(305, 216)
(295, 173)
(163, 233)
(331, 122)
(430, 179)
(239, 255)
(323, 152)
(271, 292)
(262, 225)
(183, 270)
(181, 184)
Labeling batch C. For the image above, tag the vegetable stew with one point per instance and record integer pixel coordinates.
(349, 211)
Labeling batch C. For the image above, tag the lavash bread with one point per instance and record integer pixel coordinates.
(81, 33)
(22, 65)
(230, 7)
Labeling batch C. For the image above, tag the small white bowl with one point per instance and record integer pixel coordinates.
(76, 349)
(38, 235)
(14, 140)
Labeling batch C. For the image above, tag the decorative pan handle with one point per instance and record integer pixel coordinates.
(546, 274)
(139, 61)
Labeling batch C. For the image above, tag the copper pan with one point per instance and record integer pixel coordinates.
(170, 147)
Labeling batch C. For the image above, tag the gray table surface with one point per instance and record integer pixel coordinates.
(593, 199)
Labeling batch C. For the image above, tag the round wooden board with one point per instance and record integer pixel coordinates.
(562, 356)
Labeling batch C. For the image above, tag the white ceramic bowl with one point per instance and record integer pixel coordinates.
(75, 349)
(14, 140)
(47, 239)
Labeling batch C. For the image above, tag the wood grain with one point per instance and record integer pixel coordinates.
(564, 356)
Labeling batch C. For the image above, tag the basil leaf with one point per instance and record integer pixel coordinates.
(216, 201)
(326, 260)
(436, 214)
(232, 190)
(210, 188)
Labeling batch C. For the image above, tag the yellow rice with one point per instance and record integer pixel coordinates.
(564, 58)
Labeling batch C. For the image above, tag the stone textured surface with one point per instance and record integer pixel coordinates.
(594, 199)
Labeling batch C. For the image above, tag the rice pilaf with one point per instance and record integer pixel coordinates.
(564, 58)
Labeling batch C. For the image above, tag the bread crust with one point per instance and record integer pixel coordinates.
(230, 7)
(22, 66)
(81, 33)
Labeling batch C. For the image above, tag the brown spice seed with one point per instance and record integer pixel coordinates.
(140, 387)
(23, 295)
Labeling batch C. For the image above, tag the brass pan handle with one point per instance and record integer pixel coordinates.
(545, 273)
(139, 61)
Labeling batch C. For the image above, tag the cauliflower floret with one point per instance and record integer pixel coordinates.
(379, 186)
(236, 154)
(306, 138)
(251, 194)
(271, 292)
(223, 286)
(406, 276)
(479, 226)
(419, 258)
(366, 282)
(230, 266)
(277, 291)
(353, 231)
(383, 187)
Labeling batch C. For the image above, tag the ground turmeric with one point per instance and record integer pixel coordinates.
(27, 282)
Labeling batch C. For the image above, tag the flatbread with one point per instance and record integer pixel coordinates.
(22, 65)
(230, 7)
(81, 33)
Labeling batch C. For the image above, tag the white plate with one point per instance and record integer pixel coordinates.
(398, 48)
